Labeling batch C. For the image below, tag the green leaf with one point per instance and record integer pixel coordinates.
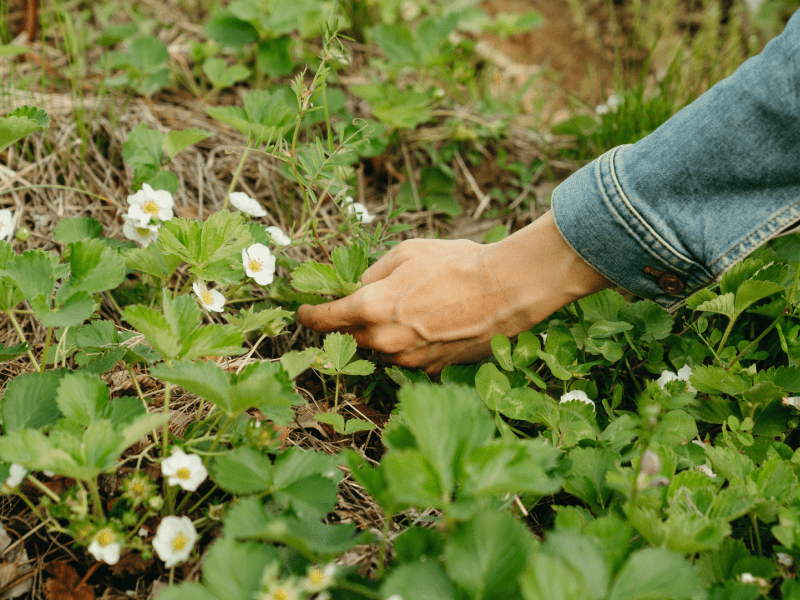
(491, 385)
(266, 115)
(350, 262)
(76, 229)
(418, 581)
(186, 591)
(723, 305)
(335, 420)
(555, 367)
(75, 311)
(157, 331)
(487, 555)
(12, 50)
(29, 401)
(318, 278)
(501, 348)
(354, 425)
(527, 346)
(94, 267)
(83, 398)
(296, 362)
(675, 428)
(175, 141)
(32, 272)
(339, 348)
(311, 498)
(213, 340)
(221, 75)
(710, 379)
(358, 367)
(243, 470)
(295, 465)
(399, 109)
(656, 573)
(411, 479)
(270, 321)
(605, 329)
(12, 352)
(751, 291)
(143, 148)
(150, 260)
(14, 127)
(430, 411)
(604, 305)
(232, 570)
(587, 477)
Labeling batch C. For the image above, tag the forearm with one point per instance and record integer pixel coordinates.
(668, 215)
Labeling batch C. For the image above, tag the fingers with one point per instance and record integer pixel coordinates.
(395, 257)
(332, 316)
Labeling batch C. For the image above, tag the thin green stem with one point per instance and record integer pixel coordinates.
(199, 503)
(754, 521)
(53, 496)
(23, 339)
(48, 339)
(55, 187)
(30, 504)
(165, 435)
(725, 335)
(236, 175)
(135, 530)
(336, 394)
(217, 439)
(97, 503)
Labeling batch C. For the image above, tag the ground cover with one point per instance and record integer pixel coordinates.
(178, 177)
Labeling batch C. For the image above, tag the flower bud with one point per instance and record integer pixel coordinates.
(650, 463)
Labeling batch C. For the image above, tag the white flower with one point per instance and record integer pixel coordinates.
(395, 597)
(175, 538)
(148, 204)
(6, 223)
(185, 470)
(611, 105)
(246, 204)
(105, 546)
(683, 374)
(277, 235)
(748, 578)
(259, 264)
(319, 579)
(787, 560)
(793, 401)
(706, 469)
(143, 533)
(577, 395)
(359, 210)
(15, 475)
(144, 234)
(211, 299)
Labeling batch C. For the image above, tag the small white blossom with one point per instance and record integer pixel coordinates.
(210, 299)
(175, 538)
(259, 264)
(748, 578)
(143, 234)
(359, 210)
(6, 223)
(395, 597)
(246, 204)
(577, 395)
(143, 533)
(319, 579)
(706, 469)
(185, 470)
(105, 546)
(683, 374)
(787, 560)
(277, 235)
(793, 401)
(611, 104)
(15, 475)
(148, 204)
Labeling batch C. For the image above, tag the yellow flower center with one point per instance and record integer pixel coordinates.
(139, 489)
(105, 538)
(255, 265)
(280, 595)
(150, 207)
(179, 543)
(207, 299)
(184, 473)
(142, 231)
(316, 576)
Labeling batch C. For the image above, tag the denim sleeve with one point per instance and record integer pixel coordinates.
(671, 213)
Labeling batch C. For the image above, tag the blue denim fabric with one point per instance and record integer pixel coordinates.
(708, 187)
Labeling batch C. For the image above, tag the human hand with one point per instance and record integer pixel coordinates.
(430, 303)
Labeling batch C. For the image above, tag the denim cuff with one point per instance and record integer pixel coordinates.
(598, 221)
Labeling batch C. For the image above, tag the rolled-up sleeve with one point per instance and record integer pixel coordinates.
(671, 213)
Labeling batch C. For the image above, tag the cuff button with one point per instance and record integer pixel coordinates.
(668, 282)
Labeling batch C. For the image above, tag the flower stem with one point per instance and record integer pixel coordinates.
(47, 341)
(23, 339)
(97, 503)
(217, 439)
(236, 175)
(53, 496)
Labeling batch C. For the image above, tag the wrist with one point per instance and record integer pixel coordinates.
(537, 272)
